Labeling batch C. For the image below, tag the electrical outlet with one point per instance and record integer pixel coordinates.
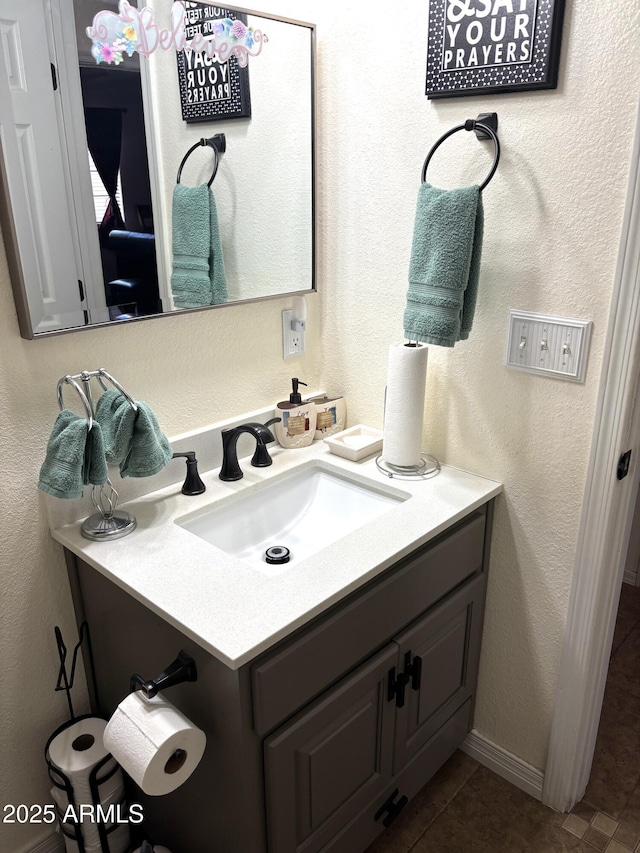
(292, 340)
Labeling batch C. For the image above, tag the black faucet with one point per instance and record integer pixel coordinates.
(230, 469)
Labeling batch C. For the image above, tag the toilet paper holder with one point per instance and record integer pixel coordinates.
(182, 669)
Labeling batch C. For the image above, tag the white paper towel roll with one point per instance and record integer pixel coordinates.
(404, 404)
(154, 742)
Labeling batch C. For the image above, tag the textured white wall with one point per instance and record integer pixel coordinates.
(553, 215)
(552, 223)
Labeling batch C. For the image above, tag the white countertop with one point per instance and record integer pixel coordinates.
(236, 612)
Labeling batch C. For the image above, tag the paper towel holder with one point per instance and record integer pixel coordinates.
(428, 466)
(182, 669)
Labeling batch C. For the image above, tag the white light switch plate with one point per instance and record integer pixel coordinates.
(552, 346)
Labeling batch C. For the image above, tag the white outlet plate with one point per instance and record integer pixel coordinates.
(292, 341)
(552, 346)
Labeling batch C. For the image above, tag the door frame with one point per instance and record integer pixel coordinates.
(605, 527)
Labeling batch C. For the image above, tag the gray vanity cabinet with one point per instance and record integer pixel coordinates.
(341, 753)
(447, 643)
(331, 760)
(316, 744)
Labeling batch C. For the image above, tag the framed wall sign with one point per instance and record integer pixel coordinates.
(211, 89)
(480, 47)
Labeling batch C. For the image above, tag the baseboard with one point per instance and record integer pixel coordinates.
(511, 768)
(53, 844)
(630, 578)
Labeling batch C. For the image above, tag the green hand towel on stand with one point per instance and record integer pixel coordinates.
(116, 417)
(445, 265)
(133, 440)
(96, 472)
(198, 276)
(149, 450)
(74, 458)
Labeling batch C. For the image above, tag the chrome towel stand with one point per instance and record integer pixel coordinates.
(485, 126)
(107, 522)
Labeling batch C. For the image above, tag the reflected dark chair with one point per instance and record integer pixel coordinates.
(136, 287)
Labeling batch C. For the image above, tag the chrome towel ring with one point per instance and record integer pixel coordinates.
(69, 380)
(479, 127)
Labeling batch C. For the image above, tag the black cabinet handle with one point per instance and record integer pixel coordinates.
(396, 687)
(397, 683)
(413, 669)
(392, 809)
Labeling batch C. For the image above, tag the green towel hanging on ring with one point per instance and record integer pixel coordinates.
(198, 276)
(445, 265)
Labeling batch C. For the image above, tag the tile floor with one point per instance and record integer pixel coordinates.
(466, 808)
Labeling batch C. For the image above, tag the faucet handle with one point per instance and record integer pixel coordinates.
(192, 485)
(261, 458)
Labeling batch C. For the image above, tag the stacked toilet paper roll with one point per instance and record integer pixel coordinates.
(404, 405)
(74, 753)
(154, 742)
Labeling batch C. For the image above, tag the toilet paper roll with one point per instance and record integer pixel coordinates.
(75, 751)
(404, 404)
(154, 742)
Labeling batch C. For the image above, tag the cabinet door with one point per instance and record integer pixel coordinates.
(448, 643)
(332, 759)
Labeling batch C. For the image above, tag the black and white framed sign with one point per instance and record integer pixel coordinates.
(479, 47)
(210, 89)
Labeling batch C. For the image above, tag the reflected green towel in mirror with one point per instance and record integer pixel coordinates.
(198, 276)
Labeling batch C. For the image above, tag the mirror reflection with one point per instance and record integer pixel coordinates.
(189, 179)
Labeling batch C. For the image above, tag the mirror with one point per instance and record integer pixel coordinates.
(88, 211)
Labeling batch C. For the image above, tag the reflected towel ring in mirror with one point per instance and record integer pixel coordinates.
(470, 124)
(69, 380)
(219, 145)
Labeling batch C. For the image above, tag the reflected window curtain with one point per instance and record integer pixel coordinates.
(104, 138)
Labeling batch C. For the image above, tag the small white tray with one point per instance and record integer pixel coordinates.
(356, 443)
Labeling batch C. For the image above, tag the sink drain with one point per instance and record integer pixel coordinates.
(277, 554)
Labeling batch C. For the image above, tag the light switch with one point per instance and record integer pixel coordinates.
(553, 346)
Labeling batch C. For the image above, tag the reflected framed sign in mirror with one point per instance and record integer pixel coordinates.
(105, 218)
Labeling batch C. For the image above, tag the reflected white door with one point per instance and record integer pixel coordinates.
(35, 169)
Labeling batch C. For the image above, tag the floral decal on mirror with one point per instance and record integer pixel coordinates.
(114, 36)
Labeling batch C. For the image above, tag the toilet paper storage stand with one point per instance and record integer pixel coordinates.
(98, 775)
(61, 781)
(182, 669)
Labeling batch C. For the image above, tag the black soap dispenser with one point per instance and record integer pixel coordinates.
(297, 424)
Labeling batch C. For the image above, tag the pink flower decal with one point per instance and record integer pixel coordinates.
(238, 30)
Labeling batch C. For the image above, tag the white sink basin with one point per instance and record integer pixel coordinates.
(302, 511)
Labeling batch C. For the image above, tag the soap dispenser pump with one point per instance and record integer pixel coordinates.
(298, 420)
